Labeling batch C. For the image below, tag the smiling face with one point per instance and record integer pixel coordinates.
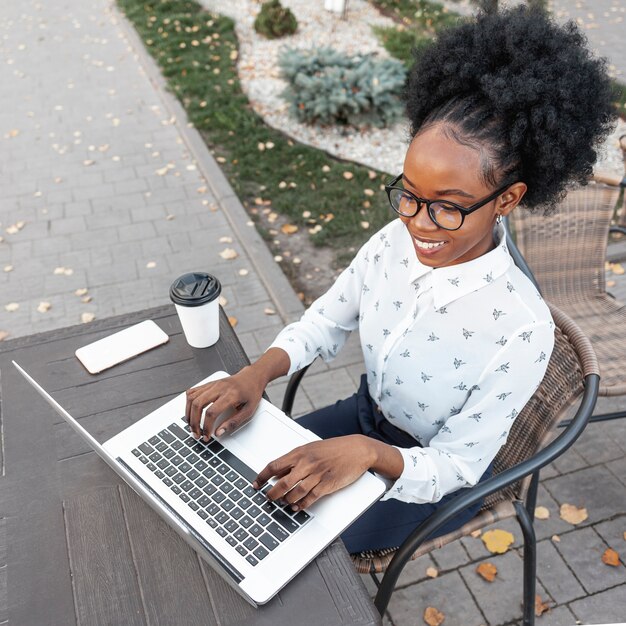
(437, 166)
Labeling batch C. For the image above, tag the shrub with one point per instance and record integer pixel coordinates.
(326, 87)
(274, 20)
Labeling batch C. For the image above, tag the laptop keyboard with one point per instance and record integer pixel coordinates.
(217, 485)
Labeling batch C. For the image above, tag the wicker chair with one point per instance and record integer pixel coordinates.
(571, 381)
(564, 253)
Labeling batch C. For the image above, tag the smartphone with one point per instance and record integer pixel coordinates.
(121, 346)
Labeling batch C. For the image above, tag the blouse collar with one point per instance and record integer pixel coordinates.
(456, 281)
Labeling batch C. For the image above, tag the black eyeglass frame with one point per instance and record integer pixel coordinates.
(464, 211)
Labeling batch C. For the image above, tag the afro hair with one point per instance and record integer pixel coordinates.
(523, 89)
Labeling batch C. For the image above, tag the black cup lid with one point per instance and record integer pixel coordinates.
(195, 289)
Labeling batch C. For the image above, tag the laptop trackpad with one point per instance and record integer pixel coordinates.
(265, 438)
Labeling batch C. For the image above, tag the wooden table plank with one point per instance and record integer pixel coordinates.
(105, 580)
(170, 578)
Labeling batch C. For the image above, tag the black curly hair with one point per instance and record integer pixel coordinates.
(524, 91)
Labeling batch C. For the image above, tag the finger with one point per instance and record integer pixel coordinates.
(301, 490)
(191, 394)
(214, 413)
(278, 467)
(313, 496)
(236, 421)
(200, 403)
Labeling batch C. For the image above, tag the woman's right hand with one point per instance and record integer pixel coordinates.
(241, 392)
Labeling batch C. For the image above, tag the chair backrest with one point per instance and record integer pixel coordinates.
(566, 250)
(554, 400)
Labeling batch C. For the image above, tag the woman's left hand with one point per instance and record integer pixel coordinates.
(316, 469)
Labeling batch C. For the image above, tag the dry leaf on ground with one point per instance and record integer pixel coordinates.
(541, 512)
(243, 272)
(289, 229)
(488, 571)
(228, 254)
(150, 265)
(365, 225)
(8, 268)
(11, 307)
(476, 533)
(610, 557)
(223, 301)
(232, 321)
(348, 175)
(87, 317)
(497, 541)
(225, 240)
(3, 335)
(81, 292)
(617, 269)
(572, 514)
(44, 307)
(269, 311)
(433, 617)
(555, 538)
(432, 572)
(540, 606)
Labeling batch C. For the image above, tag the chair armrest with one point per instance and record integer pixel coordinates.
(618, 229)
(292, 388)
(489, 486)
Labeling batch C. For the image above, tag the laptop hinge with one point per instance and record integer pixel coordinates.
(214, 554)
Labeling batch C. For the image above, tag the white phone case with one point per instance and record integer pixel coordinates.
(121, 346)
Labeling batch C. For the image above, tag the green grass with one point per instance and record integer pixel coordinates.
(197, 52)
(417, 23)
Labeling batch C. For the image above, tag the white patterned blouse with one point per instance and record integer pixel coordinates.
(452, 354)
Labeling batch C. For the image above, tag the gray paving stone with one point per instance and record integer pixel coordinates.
(136, 232)
(594, 488)
(606, 607)
(555, 575)
(570, 461)
(447, 593)
(68, 226)
(500, 600)
(602, 441)
(326, 387)
(613, 532)
(451, 556)
(301, 405)
(582, 551)
(618, 469)
(554, 525)
(557, 616)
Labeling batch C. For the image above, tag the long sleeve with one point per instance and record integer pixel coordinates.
(465, 445)
(327, 323)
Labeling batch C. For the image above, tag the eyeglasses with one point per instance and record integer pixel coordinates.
(445, 214)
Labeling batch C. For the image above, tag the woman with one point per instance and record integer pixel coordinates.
(505, 109)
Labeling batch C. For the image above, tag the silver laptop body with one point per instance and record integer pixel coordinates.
(257, 563)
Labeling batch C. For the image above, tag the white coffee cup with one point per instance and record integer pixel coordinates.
(196, 298)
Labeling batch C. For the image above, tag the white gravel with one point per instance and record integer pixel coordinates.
(382, 149)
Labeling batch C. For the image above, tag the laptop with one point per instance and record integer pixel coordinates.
(204, 491)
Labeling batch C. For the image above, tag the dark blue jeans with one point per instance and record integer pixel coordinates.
(386, 524)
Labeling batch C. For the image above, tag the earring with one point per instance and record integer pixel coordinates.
(499, 219)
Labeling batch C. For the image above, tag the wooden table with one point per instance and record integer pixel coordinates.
(77, 546)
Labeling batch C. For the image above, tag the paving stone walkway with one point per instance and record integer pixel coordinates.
(106, 189)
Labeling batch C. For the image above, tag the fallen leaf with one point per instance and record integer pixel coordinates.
(150, 265)
(365, 225)
(44, 307)
(243, 272)
(540, 606)
(169, 217)
(12, 307)
(8, 268)
(289, 229)
(3, 335)
(278, 258)
(86, 317)
(433, 617)
(610, 557)
(572, 514)
(86, 299)
(555, 538)
(232, 321)
(88, 162)
(488, 571)
(541, 512)
(306, 214)
(223, 301)
(325, 168)
(260, 147)
(610, 283)
(432, 572)
(269, 145)
(371, 174)
(81, 292)
(348, 175)
(226, 240)
(618, 269)
(497, 541)
(625, 535)
(58, 271)
(316, 229)
(369, 192)
(13, 133)
(297, 260)
(228, 254)
(272, 217)
(269, 311)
